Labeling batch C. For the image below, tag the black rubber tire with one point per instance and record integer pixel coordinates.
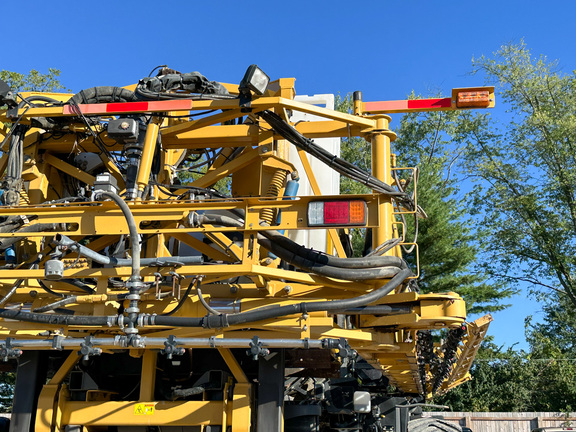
(4, 424)
(431, 424)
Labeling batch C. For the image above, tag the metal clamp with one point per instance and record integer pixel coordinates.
(256, 349)
(171, 349)
(57, 342)
(7, 351)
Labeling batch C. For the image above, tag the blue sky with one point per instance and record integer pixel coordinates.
(384, 48)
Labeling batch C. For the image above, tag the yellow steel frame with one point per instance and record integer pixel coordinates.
(384, 341)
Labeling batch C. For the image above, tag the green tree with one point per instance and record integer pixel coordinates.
(450, 257)
(525, 189)
(447, 250)
(33, 81)
(543, 379)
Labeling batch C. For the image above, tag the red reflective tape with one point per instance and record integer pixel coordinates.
(429, 103)
(85, 109)
(172, 105)
(123, 107)
(386, 106)
(126, 107)
(400, 106)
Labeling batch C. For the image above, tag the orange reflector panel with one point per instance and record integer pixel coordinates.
(473, 99)
(357, 212)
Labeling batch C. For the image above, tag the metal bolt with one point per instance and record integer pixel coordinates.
(233, 289)
(288, 289)
(305, 328)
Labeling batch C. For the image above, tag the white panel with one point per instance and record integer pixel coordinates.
(327, 178)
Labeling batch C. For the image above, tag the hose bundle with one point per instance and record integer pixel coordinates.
(165, 87)
(339, 165)
(13, 180)
(352, 269)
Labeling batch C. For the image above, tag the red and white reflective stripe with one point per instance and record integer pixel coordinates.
(130, 107)
(400, 106)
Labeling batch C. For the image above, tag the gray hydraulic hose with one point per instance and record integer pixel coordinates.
(134, 237)
(62, 240)
(57, 304)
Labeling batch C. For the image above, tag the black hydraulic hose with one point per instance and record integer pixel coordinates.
(320, 264)
(134, 237)
(12, 291)
(78, 284)
(183, 299)
(218, 321)
(48, 290)
(103, 94)
(55, 319)
(356, 274)
(8, 241)
(225, 320)
(325, 259)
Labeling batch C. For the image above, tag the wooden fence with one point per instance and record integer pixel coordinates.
(506, 421)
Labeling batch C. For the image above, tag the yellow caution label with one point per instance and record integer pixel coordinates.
(144, 409)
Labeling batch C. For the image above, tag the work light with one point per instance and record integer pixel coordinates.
(254, 79)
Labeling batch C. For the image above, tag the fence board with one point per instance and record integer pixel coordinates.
(507, 421)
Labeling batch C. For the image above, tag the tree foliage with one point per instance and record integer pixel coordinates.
(33, 81)
(449, 254)
(540, 380)
(525, 181)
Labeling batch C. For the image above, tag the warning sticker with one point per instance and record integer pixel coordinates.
(144, 409)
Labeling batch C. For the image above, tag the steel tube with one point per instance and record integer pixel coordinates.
(144, 342)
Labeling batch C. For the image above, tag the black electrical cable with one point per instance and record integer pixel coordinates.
(156, 68)
(76, 109)
(48, 290)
